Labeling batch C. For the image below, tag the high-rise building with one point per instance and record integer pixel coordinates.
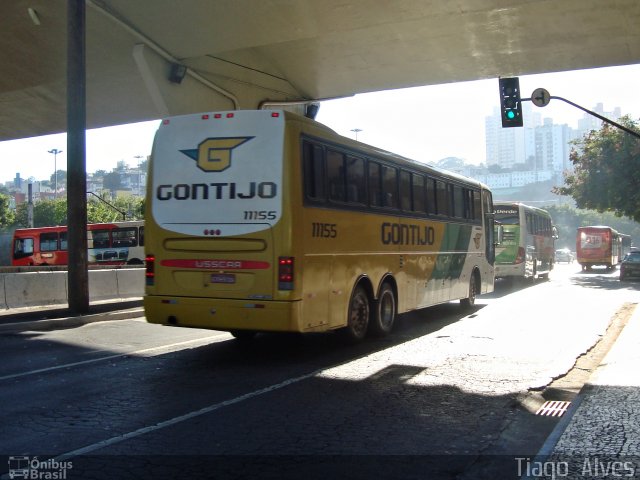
(508, 147)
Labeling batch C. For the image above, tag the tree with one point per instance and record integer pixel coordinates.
(143, 165)
(111, 210)
(112, 181)
(7, 216)
(62, 179)
(567, 219)
(606, 171)
(46, 213)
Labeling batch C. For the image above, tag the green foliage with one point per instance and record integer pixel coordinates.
(54, 212)
(112, 210)
(112, 181)
(606, 171)
(62, 179)
(46, 213)
(7, 215)
(567, 219)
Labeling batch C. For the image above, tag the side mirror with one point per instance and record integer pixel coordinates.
(554, 233)
(498, 233)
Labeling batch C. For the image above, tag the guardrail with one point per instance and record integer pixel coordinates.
(37, 286)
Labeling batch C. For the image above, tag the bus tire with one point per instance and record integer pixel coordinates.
(357, 316)
(384, 315)
(470, 301)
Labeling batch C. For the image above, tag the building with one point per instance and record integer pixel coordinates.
(536, 152)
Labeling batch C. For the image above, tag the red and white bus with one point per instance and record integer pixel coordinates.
(114, 243)
(599, 246)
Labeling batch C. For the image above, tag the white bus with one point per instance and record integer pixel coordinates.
(527, 249)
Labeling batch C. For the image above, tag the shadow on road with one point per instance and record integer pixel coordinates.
(603, 279)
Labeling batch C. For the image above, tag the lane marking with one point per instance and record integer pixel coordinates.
(182, 418)
(168, 348)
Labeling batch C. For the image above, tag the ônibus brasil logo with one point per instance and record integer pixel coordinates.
(22, 466)
(214, 154)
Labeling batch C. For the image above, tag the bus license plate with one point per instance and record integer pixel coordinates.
(223, 278)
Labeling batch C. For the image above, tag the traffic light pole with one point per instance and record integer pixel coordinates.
(540, 97)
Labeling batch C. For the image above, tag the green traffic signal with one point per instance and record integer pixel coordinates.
(510, 102)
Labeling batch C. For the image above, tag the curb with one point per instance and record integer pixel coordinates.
(587, 389)
(48, 324)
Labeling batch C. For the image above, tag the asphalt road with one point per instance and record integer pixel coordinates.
(448, 395)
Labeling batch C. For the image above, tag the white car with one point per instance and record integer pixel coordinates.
(564, 255)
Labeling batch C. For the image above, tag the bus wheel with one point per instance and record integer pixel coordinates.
(243, 335)
(358, 316)
(385, 312)
(470, 301)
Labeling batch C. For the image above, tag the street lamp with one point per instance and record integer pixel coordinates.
(356, 130)
(55, 152)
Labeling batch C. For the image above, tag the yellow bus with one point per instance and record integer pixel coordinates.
(269, 221)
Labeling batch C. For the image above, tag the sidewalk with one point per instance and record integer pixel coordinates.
(599, 436)
(50, 317)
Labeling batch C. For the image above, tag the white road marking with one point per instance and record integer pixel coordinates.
(182, 418)
(160, 349)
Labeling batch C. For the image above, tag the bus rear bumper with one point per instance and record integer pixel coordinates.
(511, 270)
(223, 314)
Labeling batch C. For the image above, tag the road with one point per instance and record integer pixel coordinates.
(448, 395)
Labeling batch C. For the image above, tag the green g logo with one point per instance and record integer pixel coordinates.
(214, 154)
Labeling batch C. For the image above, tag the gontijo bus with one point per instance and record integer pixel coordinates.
(527, 249)
(269, 221)
(115, 243)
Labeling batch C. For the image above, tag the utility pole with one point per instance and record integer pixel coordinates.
(55, 152)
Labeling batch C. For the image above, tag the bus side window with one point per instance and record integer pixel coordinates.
(458, 202)
(48, 242)
(418, 193)
(430, 190)
(100, 239)
(405, 191)
(23, 247)
(390, 187)
(63, 240)
(477, 206)
(356, 186)
(141, 242)
(336, 176)
(313, 171)
(125, 237)
(375, 184)
(442, 198)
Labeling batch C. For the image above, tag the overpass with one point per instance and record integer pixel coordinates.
(241, 53)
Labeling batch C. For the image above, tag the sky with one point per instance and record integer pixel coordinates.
(423, 123)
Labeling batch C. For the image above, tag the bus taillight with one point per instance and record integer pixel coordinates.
(521, 255)
(285, 273)
(150, 269)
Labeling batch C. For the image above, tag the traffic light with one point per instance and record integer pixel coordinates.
(510, 103)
